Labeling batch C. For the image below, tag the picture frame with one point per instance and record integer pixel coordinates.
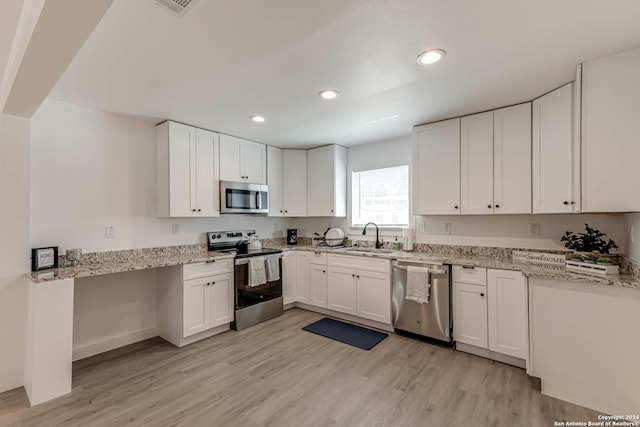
(44, 258)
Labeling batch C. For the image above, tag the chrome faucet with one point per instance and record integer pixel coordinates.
(364, 233)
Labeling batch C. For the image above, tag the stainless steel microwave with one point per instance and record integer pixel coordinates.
(242, 197)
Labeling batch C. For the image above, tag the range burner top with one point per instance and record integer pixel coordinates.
(236, 242)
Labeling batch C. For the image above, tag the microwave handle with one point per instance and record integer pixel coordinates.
(258, 200)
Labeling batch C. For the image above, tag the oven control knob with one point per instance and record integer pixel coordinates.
(213, 237)
(219, 236)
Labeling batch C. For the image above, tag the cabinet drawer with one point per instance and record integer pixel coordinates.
(203, 269)
(360, 263)
(470, 275)
(318, 258)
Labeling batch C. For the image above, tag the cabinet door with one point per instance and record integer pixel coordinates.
(321, 181)
(303, 289)
(508, 313)
(207, 183)
(436, 168)
(254, 162)
(610, 129)
(230, 158)
(374, 295)
(341, 289)
(476, 164)
(289, 291)
(294, 182)
(274, 180)
(470, 314)
(553, 160)
(196, 306)
(182, 192)
(221, 296)
(318, 285)
(512, 159)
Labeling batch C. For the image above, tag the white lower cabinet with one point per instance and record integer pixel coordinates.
(318, 285)
(470, 314)
(508, 313)
(373, 292)
(303, 289)
(360, 286)
(289, 273)
(193, 300)
(342, 289)
(492, 314)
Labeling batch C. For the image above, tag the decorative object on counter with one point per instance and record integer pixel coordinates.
(407, 236)
(74, 256)
(254, 243)
(591, 241)
(292, 236)
(543, 260)
(592, 268)
(43, 258)
(590, 247)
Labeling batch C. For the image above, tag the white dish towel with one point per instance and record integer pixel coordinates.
(418, 284)
(273, 268)
(257, 273)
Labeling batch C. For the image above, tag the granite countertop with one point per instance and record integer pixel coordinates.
(132, 260)
(110, 265)
(531, 271)
(476, 261)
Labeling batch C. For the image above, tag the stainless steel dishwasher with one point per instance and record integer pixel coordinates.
(431, 319)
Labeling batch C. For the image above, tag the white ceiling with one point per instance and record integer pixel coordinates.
(229, 59)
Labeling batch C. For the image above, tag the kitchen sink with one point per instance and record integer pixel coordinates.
(370, 250)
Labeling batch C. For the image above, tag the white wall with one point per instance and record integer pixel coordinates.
(14, 247)
(91, 169)
(112, 311)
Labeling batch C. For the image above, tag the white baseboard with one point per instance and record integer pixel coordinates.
(97, 347)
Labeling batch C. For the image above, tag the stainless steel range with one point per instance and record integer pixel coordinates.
(258, 294)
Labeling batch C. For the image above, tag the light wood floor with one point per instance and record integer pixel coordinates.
(275, 374)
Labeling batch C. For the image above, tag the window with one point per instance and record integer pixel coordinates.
(380, 196)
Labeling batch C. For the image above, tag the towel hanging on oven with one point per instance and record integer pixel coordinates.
(273, 268)
(257, 273)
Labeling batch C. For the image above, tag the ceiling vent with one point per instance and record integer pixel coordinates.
(181, 7)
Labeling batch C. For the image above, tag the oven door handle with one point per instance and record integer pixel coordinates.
(244, 261)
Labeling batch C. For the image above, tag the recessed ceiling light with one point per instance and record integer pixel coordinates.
(328, 94)
(257, 118)
(430, 56)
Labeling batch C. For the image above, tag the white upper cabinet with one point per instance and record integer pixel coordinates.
(187, 172)
(327, 181)
(512, 159)
(556, 153)
(274, 180)
(287, 180)
(436, 168)
(242, 160)
(476, 164)
(610, 132)
(294, 184)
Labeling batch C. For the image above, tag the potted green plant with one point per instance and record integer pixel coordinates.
(605, 261)
(588, 243)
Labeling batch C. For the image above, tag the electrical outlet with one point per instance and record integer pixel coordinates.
(175, 228)
(109, 232)
(534, 229)
(446, 228)
(421, 225)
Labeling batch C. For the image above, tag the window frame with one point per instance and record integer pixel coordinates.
(390, 229)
